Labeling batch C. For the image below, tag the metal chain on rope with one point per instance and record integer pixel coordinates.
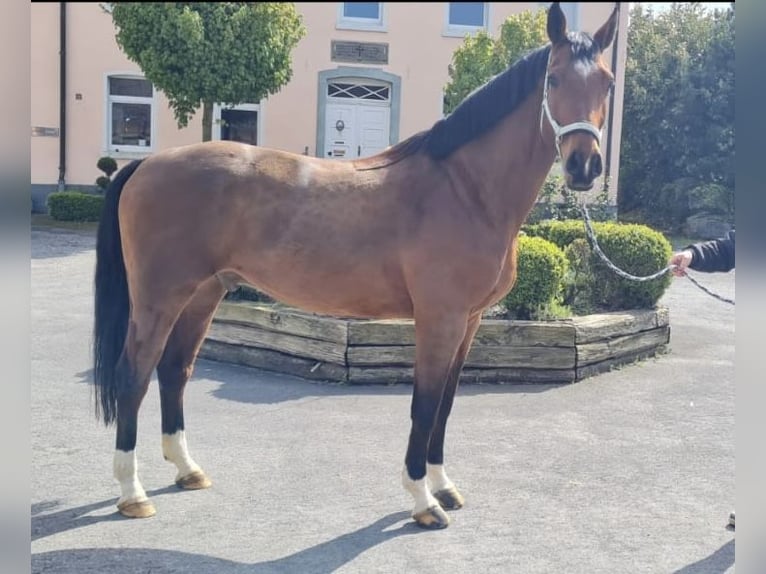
(621, 273)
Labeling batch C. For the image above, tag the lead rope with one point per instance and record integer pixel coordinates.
(621, 273)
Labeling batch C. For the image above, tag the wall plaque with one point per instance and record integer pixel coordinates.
(41, 131)
(359, 52)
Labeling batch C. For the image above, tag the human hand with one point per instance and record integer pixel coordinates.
(681, 260)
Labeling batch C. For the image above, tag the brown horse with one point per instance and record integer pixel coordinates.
(424, 230)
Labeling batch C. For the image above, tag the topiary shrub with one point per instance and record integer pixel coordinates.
(75, 206)
(541, 267)
(634, 248)
(108, 165)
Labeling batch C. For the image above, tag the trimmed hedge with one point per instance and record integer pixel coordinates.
(636, 249)
(562, 233)
(541, 267)
(75, 206)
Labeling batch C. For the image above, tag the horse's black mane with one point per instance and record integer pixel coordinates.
(483, 108)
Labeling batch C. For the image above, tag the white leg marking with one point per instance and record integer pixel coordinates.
(437, 477)
(419, 491)
(126, 473)
(174, 449)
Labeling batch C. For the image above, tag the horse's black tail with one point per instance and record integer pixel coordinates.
(112, 305)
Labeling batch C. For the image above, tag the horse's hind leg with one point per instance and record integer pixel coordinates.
(174, 370)
(148, 330)
(439, 483)
(438, 337)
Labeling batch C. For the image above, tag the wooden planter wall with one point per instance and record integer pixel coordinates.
(355, 351)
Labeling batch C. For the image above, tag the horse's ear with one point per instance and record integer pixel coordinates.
(557, 24)
(606, 33)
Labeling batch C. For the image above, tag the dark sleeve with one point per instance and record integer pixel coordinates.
(715, 255)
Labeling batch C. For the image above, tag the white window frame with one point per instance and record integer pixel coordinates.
(128, 151)
(356, 81)
(364, 24)
(461, 31)
(216, 131)
(571, 10)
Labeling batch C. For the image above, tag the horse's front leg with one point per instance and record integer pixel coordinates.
(439, 483)
(438, 336)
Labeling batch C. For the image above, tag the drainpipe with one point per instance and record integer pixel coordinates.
(615, 52)
(62, 97)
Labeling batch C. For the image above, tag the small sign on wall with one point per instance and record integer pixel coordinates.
(40, 131)
(359, 52)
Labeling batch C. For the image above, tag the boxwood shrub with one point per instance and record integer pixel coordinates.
(75, 206)
(541, 267)
(634, 248)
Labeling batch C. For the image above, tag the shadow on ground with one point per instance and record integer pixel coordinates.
(719, 561)
(44, 523)
(319, 559)
(248, 385)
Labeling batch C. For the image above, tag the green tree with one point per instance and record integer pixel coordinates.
(201, 53)
(678, 118)
(481, 57)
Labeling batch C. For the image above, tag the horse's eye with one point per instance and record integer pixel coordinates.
(553, 81)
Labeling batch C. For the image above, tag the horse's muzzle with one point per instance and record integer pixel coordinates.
(582, 170)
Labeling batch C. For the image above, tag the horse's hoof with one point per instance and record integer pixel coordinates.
(450, 498)
(139, 509)
(194, 481)
(432, 518)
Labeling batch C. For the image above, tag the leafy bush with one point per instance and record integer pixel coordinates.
(480, 56)
(636, 249)
(711, 198)
(679, 109)
(75, 206)
(541, 267)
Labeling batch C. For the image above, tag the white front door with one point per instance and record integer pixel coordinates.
(341, 140)
(357, 119)
(373, 129)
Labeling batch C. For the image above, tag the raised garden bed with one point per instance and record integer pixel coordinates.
(285, 340)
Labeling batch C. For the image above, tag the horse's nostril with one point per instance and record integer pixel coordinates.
(596, 165)
(574, 163)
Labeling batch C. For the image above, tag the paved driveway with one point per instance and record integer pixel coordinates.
(628, 472)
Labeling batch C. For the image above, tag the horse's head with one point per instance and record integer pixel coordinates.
(577, 84)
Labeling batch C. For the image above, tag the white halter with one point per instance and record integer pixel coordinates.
(558, 130)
